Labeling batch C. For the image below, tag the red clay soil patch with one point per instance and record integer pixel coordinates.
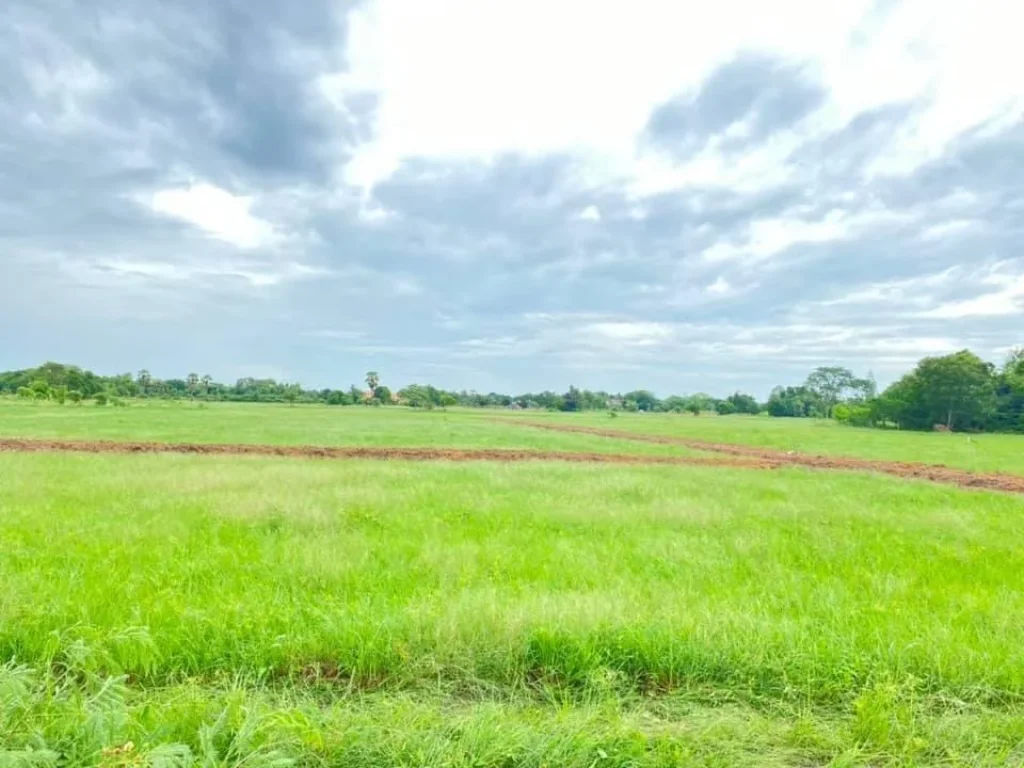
(774, 458)
(33, 445)
(746, 457)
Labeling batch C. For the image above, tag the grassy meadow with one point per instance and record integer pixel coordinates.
(980, 453)
(279, 424)
(172, 610)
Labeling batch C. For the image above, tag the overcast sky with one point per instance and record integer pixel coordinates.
(511, 194)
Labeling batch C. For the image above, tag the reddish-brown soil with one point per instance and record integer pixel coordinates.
(774, 458)
(34, 445)
(743, 456)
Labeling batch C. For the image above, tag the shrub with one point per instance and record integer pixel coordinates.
(855, 415)
(100, 398)
(74, 396)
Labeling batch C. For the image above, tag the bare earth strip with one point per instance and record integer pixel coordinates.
(771, 458)
(33, 445)
(746, 457)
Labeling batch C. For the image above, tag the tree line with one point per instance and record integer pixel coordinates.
(956, 392)
(69, 383)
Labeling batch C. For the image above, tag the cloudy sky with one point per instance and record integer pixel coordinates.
(510, 194)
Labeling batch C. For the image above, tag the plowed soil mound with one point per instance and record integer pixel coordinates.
(747, 457)
(32, 445)
(937, 473)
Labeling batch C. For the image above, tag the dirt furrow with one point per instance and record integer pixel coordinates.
(746, 457)
(937, 473)
(34, 445)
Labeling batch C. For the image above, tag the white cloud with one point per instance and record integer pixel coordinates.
(631, 334)
(590, 213)
(919, 291)
(766, 238)
(720, 287)
(217, 212)
(255, 275)
(946, 229)
(451, 81)
(1008, 300)
(373, 213)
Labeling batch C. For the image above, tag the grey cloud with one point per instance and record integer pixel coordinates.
(766, 93)
(483, 275)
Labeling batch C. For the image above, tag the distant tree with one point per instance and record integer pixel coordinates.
(100, 398)
(74, 396)
(336, 397)
(1009, 393)
(448, 400)
(291, 393)
(957, 390)
(725, 407)
(644, 400)
(372, 380)
(382, 394)
(26, 393)
(703, 401)
(571, 400)
(40, 389)
(693, 407)
(870, 386)
(674, 404)
(205, 382)
(144, 379)
(794, 402)
(1014, 364)
(854, 414)
(830, 383)
(744, 403)
(192, 382)
(60, 393)
(900, 404)
(415, 396)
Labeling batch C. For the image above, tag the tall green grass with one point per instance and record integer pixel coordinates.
(509, 614)
(74, 718)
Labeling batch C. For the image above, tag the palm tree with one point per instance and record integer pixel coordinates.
(144, 379)
(193, 382)
(372, 380)
(206, 381)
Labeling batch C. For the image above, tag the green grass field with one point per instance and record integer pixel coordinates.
(184, 422)
(176, 610)
(982, 453)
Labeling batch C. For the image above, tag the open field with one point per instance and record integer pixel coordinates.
(271, 424)
(226, 610)
(982, 453)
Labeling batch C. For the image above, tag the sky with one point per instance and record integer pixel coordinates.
(510, 195)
